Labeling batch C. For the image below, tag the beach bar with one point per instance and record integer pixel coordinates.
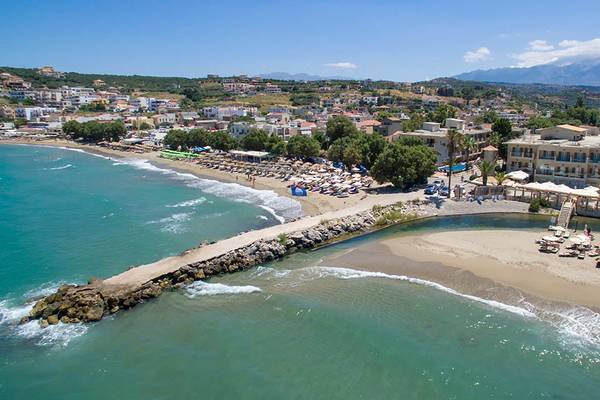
(251, 156)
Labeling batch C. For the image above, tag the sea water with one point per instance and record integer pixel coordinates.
(290, 329)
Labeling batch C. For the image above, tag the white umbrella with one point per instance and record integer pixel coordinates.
(551, 239)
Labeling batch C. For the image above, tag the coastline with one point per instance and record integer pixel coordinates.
(502, 265)
(313, 204)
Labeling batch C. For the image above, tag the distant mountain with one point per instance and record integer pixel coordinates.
(286, 76)
(580, 73)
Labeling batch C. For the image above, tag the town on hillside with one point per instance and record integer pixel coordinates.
(377, 132)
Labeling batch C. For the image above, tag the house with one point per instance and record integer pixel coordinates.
(240, 129)
(33, 113)
(436, 137)
(164, 119)
(368, 126)
(562, 154)
(270, 88)
(50, 72)
(390, 125)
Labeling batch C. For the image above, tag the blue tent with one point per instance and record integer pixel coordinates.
(298, 191)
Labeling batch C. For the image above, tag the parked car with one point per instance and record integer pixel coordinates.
(444, 191)
(432, 189)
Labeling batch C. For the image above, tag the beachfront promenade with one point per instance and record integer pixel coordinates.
(144, 273)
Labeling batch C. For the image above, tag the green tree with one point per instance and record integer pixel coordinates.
(469, 147)
(320, 137)
(442, 112)
(302, 146)
(503, 127)
(487, 168)
(500, 177)
(404, 165)
(19, 122)
(455, 145)
(176, 139)
(339, 127)
(222, 140)
(276, 145)
(256, 139)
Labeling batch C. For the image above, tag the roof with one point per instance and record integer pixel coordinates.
(369, 122)
(572, 128)
(489, 148)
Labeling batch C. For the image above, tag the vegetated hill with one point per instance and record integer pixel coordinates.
(286, 76)
(581, 73)
(124, 82)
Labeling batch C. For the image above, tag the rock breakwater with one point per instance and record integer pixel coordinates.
(96, 300)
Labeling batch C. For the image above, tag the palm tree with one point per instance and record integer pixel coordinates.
(500, 177)
(495, 139)
(469, 146)
(487, 168)
(455, 144)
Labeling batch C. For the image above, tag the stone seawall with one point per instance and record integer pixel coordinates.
(92, 302)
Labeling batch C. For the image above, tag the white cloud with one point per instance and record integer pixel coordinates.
(540, 45)
(567, 51)
(343, 65)
(481, 54)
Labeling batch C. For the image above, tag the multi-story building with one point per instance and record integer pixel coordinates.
(270, 88)
(562, 154)
(33, 113)
(436, 137)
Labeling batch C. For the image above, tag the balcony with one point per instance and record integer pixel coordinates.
(563, 159)
(521, 154)
(546, 156)
(595, 160)
(543, 171)
(579, 159)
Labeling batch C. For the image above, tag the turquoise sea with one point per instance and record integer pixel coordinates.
(286, 330)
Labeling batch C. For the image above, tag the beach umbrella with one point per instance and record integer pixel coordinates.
(551, 238)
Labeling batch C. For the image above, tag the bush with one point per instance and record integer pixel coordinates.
(537, 204)
(474, 176)
(282, 238)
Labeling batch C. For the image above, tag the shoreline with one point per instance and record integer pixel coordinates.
(502, 265)
(312, 205)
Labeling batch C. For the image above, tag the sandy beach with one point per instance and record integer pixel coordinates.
(313, 204)
(497, 264)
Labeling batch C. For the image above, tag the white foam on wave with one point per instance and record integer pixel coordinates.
(188, 203)
(282, 208)
(59, 334)
(262, 217)
(61, 167)
(201, 288)
(13, 314)
(348, 273)
(579, 324)
(173, 223)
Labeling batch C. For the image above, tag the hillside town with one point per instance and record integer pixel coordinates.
(254, 118)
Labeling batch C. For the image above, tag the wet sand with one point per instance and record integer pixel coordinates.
(501, 265)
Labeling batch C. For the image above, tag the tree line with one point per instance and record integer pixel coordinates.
(94, 131)
(403, 162)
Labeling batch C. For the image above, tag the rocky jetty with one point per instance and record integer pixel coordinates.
(92, 302)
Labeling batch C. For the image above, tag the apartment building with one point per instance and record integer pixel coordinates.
(562, 154)
(433, 135)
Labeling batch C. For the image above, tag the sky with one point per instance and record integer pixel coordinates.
(394, 40)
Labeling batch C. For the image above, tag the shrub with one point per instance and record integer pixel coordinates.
(537, 204)
(282, 238)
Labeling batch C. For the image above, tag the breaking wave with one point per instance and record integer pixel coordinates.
(173, 223)
(188, 203)
(281, 207)
(59, 334)
(63, 167)
(200, 288)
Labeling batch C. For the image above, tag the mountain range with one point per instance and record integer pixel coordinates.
(578, 73)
